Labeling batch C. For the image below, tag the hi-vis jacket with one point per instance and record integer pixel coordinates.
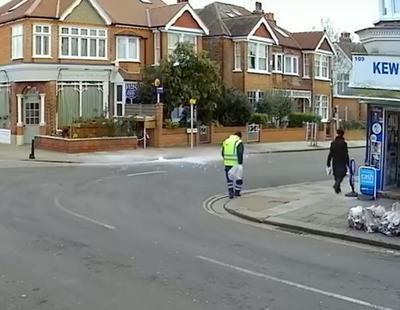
(232, 151)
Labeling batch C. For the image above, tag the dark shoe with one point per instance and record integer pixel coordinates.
(238, 194)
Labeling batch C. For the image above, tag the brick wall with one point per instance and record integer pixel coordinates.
(282, 135)
(85, 145)
(175, 137)
(355, 110)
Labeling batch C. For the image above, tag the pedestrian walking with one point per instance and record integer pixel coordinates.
(339, 158)
(232, 153)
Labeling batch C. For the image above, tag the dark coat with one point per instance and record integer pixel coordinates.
(339, 156)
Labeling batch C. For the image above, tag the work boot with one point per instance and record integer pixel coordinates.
(231, 194)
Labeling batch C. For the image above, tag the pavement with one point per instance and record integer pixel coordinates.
(307, 207)
(205, 152)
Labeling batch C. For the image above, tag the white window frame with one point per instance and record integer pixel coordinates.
(41, 35)
(254, 100)
(306, 64)
(127, 39)
(320, 101)
(257, 69)
(181, 39)
(319, 60)
(343, 81)
(157, 47)
(237, 51)
(292, 64)
(276, 56)
(17, 41)
(80, 38)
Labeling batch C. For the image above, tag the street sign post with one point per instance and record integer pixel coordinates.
(367, 181)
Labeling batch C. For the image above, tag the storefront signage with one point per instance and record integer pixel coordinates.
(368, 181)
(378, 72)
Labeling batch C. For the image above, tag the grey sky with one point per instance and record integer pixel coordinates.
(303, 15)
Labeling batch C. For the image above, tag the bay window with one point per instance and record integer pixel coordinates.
(321, 106)
(257, 57)
(306, 65)
(277, 61)
(41, 41)
(157, 48)
(343, 83)
(254, 97)
(128, 49)
(322, 66)
(174, 38)
(291, 65)
(17, 41)
(238, 57)
(83, 43)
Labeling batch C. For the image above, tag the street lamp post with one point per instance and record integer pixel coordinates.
(192, 102)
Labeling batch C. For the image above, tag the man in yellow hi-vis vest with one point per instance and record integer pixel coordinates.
(232, 153)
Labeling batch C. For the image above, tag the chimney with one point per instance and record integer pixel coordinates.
(270, 16)
(345, 37)
(259, 9)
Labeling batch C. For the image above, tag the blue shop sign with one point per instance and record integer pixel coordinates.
(368, 181)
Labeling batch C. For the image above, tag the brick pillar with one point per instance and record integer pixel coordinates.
(159, 124)
(212, 128)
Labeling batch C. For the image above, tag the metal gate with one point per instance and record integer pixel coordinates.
(253, 133)
(204, 134)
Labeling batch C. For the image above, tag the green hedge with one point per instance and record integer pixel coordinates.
(353, 125)
(297, 120)
(260, 118)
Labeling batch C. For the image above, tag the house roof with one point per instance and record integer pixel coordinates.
(160, 16)
(348, 47)
(308, 40)
(129, 12)
(224, 19)
(241, 25)
(285, 37)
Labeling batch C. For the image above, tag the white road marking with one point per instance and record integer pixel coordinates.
(146, 173)
(82, 217)
(294, 284)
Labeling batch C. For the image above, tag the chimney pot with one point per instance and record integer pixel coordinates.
(259, 9)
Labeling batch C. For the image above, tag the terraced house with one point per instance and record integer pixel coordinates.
(63, 60)
(256, 55)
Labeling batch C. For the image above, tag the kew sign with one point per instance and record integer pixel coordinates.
(377, 72)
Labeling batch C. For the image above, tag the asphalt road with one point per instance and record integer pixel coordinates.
(137, 237)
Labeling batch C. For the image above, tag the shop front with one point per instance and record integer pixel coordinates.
(374, 83)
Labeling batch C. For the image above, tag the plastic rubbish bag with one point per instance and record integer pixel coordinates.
(391, 223)
(377, 211)
(371, 223)
(355, 218)
(396, 207)
(328, 170)
(236, 172)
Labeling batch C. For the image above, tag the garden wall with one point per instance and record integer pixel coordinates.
(85, 145)
(282, 135)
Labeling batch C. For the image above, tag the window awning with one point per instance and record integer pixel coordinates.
(383, 96)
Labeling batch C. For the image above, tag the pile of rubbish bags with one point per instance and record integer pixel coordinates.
(376, 219)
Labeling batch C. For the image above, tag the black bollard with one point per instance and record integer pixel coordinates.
(32, 154)
(352, 169)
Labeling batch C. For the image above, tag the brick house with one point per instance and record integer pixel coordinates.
(63, 60)
(257, 55)
(347, 106)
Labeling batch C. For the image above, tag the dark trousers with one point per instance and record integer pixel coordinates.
(338, 182)
(234, 186)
